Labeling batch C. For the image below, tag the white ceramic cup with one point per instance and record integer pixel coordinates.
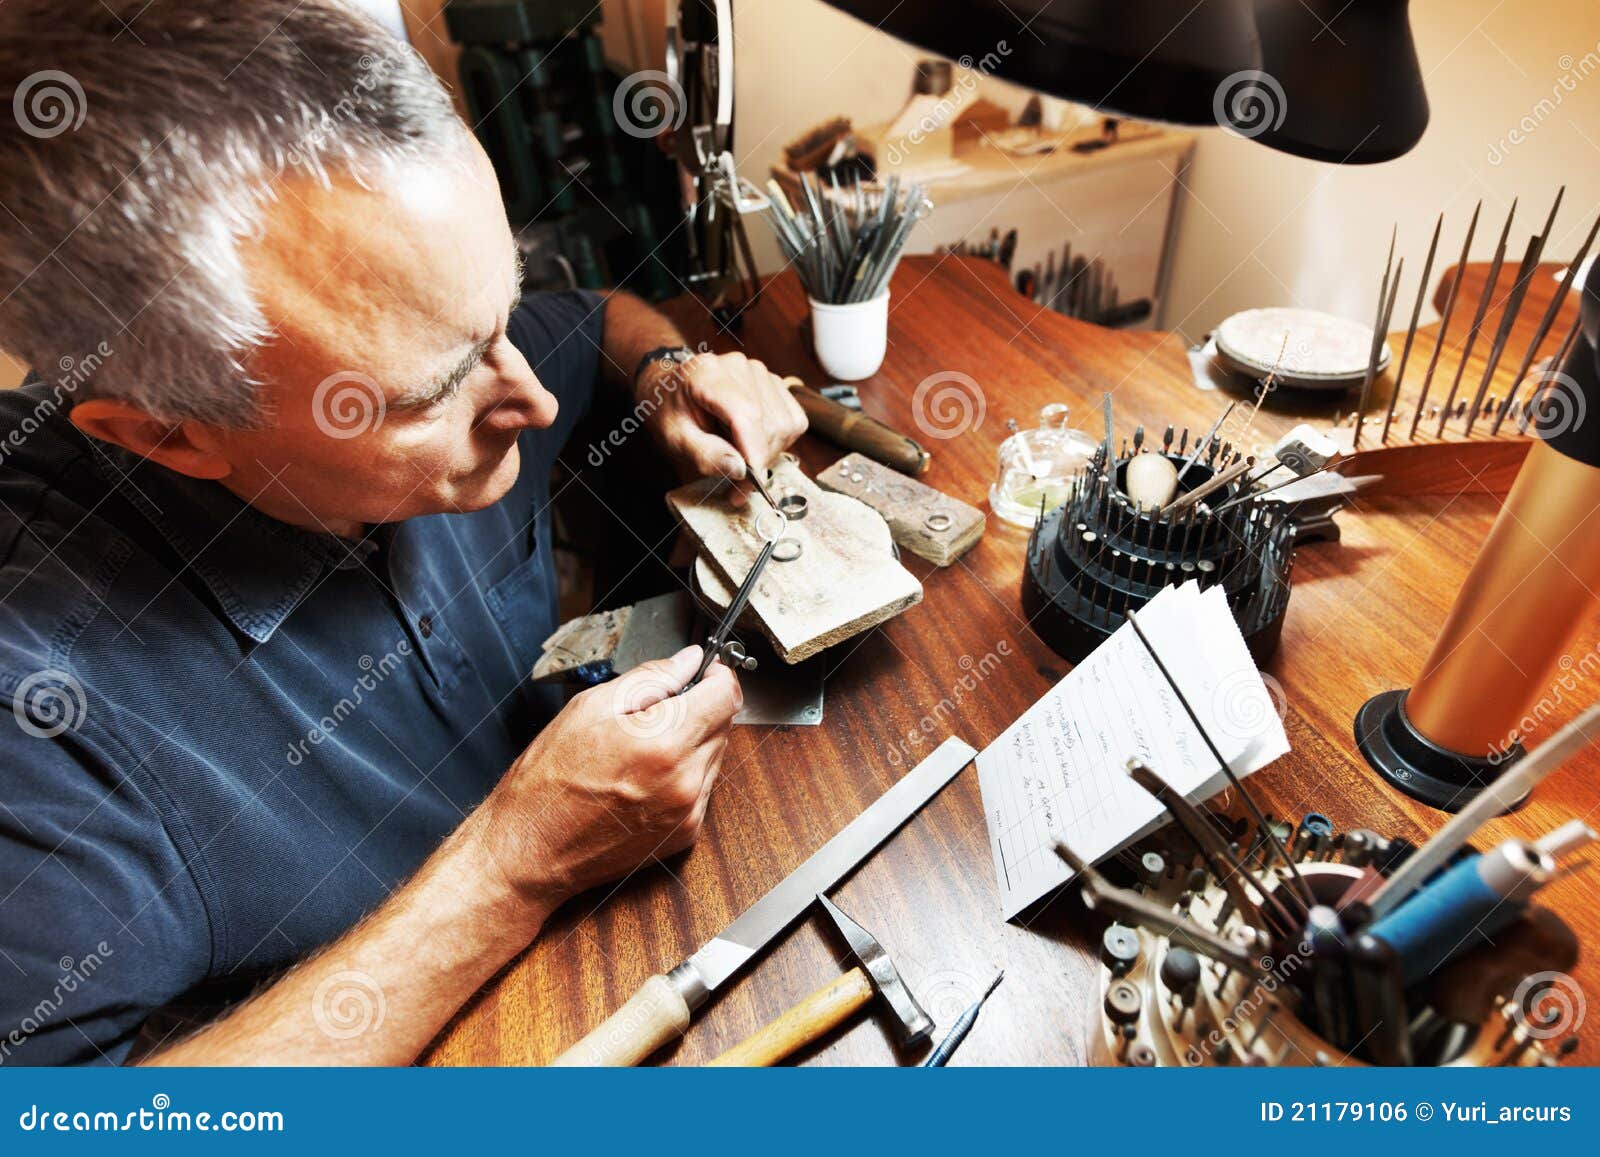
(850, 340)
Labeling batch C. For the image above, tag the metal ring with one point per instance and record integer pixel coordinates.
(793, 505)
(764, 528)
(937, 521)
(787, 550)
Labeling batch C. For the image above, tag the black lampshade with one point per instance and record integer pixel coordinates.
(1352, 89)
(1334, 80)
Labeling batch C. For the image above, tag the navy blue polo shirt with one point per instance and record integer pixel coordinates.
(223, 740)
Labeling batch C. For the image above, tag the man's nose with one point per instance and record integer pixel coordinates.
(521, 400)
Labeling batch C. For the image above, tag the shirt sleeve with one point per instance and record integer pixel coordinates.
(101, 923)
(560, 334)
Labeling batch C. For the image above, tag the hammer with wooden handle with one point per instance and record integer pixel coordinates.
(835, 1002)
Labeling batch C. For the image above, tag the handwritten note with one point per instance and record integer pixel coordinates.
(1060, 768)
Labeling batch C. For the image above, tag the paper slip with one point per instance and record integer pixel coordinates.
(1061, 768)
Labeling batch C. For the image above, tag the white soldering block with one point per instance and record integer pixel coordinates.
(1305, 450)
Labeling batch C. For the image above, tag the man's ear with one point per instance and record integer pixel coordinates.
(184, 447)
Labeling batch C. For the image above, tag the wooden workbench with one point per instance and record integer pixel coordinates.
(1361, 619)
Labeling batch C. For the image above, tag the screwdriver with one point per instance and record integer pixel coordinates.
(958, 1031)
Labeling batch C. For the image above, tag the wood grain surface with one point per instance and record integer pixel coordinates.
(1363, 615)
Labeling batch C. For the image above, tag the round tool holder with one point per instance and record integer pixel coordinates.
(1162, 1002)
(1099, 556)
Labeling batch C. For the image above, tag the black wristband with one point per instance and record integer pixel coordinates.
(662, 353)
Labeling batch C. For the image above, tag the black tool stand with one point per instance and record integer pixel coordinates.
(1419, 767)
(1094, 559)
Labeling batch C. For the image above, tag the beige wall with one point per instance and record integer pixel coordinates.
(1262, 228)
(800, 62)
(1259, 227)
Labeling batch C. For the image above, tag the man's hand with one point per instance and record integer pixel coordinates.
(714, 408)
(620, 777)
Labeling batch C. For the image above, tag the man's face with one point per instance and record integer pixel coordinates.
(391, 389)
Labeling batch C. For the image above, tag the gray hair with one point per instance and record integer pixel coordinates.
(144, 143)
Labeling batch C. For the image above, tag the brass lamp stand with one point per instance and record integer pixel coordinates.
(1523, 601)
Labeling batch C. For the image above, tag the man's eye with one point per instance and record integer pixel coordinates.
(446, 395)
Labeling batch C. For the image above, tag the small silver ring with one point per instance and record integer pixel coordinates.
(765, 529)
(793, 506)
(787, 550)
(938, 521)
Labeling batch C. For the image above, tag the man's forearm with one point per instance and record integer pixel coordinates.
(632, 329)
(381, 992)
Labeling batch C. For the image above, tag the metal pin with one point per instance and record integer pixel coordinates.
(1233, 779)
(1411, 330)
(1477, 318)
(1545, 323)
(1132, 908)
(1513, 306)
(1444, 322)
(1204, 442)
(1387, 290)
(1530, 411)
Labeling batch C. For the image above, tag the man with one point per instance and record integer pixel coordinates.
(275, 546)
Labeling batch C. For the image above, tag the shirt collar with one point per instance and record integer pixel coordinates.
(256, 567)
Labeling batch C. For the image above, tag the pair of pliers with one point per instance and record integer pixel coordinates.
(719, 644)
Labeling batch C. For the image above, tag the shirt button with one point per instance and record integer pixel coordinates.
(425, 626)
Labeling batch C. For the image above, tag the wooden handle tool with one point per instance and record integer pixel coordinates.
(660, 1011)
(825, 1009)
(856, 431)
(874, 975)
(654, 1015)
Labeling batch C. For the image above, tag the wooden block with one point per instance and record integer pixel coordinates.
(1433, 466)
(928, 523)
(588, 642)
(845, 580)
